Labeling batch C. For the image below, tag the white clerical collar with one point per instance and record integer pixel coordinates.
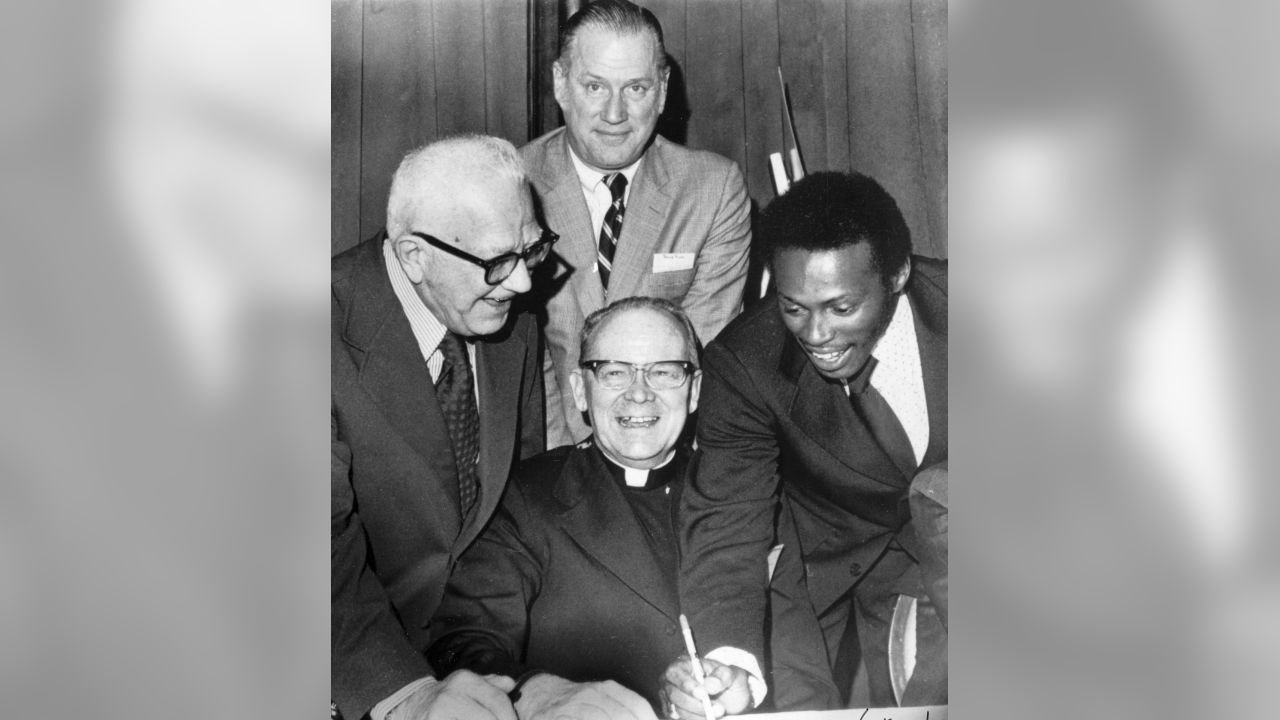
(637, 478)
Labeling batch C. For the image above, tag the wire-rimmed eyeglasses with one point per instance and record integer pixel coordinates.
(499, 268)
(662, 375)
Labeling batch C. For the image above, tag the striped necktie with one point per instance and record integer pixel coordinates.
(611, 230)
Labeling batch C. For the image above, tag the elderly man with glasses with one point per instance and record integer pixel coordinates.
(571, 590)
(436, 391)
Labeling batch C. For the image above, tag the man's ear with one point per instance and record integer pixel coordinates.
(560, 78)
(662, 90)
(578, 385)
(695, 389)
(412, 257)
(900, 277)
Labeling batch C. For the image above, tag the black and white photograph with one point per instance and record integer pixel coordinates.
(639, 381)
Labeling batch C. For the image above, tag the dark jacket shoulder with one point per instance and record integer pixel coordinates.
(930, 271)
(542, 468)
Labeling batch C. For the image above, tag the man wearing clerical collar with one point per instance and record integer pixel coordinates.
(572, 588)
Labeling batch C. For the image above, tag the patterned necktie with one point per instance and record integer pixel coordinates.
(884, 423)
(611, 230)
(458, 401)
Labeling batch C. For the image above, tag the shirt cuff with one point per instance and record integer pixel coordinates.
(746, 661)
(384, 708)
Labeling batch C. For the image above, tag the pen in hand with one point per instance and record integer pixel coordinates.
(697, 666)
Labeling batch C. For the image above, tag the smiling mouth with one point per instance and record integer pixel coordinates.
(828, 358)
(637, 421)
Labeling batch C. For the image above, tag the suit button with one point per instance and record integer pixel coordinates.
(855, 569)
(671, 630)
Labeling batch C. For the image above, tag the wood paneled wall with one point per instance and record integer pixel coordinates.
(867, 80)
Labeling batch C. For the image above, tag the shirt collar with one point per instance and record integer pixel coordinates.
(427, 330)
(637, 478)
(898, 334)
(591, 179)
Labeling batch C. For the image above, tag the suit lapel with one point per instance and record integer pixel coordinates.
(498, 367)
(647, 212)
(567, 214)
(823, 412)
(931, 337)
(601, 523)
(393, 372)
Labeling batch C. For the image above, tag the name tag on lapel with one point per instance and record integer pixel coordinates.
(670, 262)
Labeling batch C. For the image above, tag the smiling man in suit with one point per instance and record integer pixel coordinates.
(820, 406)
(436, 390)
(638, 214)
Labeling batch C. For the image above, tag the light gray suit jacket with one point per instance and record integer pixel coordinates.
(688, 208)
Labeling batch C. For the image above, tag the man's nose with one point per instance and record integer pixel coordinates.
(639, 390)
(615, 109)
(519, 280)
(815, 333)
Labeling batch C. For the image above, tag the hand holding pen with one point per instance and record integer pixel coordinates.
(697, 687)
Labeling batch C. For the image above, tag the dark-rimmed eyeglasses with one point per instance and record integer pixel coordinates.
(499, 268)
(662, 375)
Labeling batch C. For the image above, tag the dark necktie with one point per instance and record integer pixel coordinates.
(883, 422)
(611, 230)
(458, 401)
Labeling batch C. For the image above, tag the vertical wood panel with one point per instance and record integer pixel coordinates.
(812, 40)
(674, 123)
(882, 98)
(867, 79)
(344, 167)
(506, 47)
(671, 15)
(398, 97)
(929, 20)
(460, 66)
(713, 77)
(762, 122)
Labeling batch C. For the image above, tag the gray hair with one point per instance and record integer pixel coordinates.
(426, 172)
(596, 320)
(619, 16)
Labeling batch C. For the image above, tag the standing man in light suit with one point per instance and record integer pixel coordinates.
(637, 215)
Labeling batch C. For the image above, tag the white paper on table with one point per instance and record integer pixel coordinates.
(929, 712)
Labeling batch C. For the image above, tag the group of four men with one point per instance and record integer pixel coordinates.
(469, 584)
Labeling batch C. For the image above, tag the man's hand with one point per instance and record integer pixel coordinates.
(726, 684)
(547, 697)
(463, 695)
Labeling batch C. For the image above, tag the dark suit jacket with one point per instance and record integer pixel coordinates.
(563, 581)
(684, 202)
(771, 427)
(396, 528)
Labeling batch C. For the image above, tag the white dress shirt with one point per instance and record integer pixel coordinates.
(427, 330)
(899, 376)
(597, 194)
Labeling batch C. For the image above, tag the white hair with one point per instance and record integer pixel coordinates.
(428, 171)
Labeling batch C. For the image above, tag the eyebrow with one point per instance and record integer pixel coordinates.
(843, 298)
(592, 76)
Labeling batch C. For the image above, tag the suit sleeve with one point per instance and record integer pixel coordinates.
(720, 275)
(482, 622)
(558, 434)
(727, 513)
(371, 657)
